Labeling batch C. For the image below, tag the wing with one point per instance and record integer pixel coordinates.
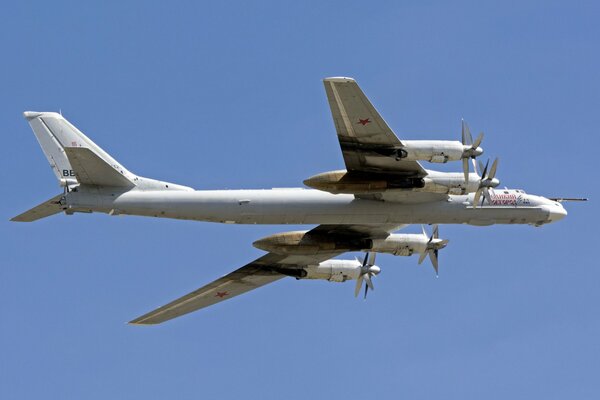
(258, 273)
(368, 144)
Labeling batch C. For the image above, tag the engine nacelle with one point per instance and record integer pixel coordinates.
(401, 244)
(435, 151)
(450, 183)
(301, 242)
(334, 270)
(342, 181)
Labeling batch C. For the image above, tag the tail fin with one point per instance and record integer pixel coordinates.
(74, 157)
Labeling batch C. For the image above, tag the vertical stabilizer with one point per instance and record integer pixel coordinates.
(76, 160)
(51, 146)
(59, 140)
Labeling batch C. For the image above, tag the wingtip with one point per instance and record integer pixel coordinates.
(343, 79)
(138, 323)
(29, 115)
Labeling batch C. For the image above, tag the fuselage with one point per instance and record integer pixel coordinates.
(307, 206)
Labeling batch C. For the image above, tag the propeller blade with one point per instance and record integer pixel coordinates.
(423, 229)
(493, 169)
(369, 282)
(371, 261)
(475, 166)
(359, 282)
(467, 139)
(476, 198)
(477, 141)
(486, 196)
(365, 260)
(483, 175)
(433, 256)
(465, 162)
(368, 270)
(436, 232)
(422, 257)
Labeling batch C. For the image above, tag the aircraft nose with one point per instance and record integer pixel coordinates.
(557, 212)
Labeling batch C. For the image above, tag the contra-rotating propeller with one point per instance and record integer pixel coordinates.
(488, 180)
(367, 271)
(434, 244)
(471, 148)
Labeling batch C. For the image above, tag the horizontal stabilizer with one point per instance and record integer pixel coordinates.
(90, 169)
(46, 209)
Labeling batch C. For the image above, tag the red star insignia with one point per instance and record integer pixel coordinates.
(221, 294)
(363, 122)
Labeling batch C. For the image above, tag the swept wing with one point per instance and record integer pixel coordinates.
(251, 276)
(257, 273)
(368, 143)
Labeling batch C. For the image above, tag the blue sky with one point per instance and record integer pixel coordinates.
(229, 95)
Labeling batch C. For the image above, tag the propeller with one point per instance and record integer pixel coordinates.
(434, 244)
(471, 148)
(488, 180)
(367, 271)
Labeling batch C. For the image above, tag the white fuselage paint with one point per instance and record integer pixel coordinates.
(306, 206)
(437, 151)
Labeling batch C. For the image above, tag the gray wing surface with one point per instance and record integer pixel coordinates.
(258, 273)
(365, 138)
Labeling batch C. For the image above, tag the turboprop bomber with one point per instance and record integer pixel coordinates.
(383, 188)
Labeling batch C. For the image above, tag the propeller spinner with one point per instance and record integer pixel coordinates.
(434, 244)
(367, 271)
(471, 148)
(488, 180)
